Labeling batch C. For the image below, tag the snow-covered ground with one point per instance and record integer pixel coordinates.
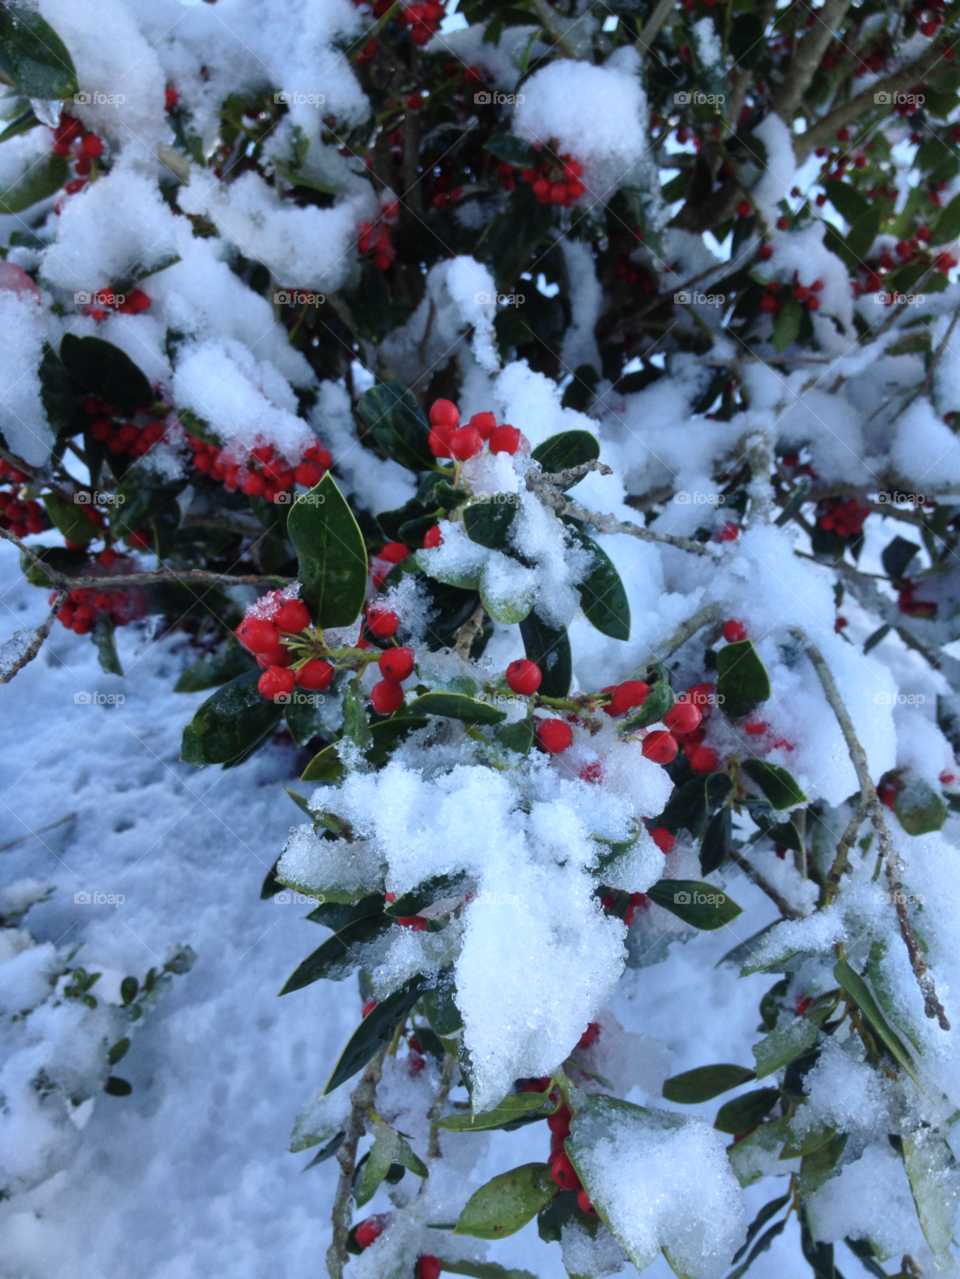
(190, 1176)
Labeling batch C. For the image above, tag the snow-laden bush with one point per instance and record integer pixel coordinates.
(545, 414)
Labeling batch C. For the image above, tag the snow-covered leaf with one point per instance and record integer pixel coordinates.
(32, 55)
(862, 995)
(105, 371)
(935, 1184)
(919, 808)
(568, 449)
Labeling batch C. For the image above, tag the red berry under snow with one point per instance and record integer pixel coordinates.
(682, 718)
(444, 413)
(590, 1035)
(433, 537)
(292, 617)
(276, 682)
(524, 677)
(257, 634)
(367, 1231)
(664, 839)
(396, 663)
(632, 692)
(382, 622)
(554, 736)
(429, 1268)
(386, 697)
(734, 630)
(660, 747)
(315, 675)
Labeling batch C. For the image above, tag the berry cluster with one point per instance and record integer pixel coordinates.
(105, 300)
(19, 517)
(556, 180)
(263, 473)
(396, 663)
(422, 19)
(275, 634)
(84, 607)
(69, 139)
(448, 439)
(777, 294)
(376, 239)
(844, 516)
(127, 437)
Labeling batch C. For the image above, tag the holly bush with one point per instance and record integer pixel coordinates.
(541, 419)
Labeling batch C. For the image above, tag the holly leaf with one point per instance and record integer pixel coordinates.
(377, 1027)
(549, 648)
(702, 905)
(776, 783)
(455, 706)
(704, 1083)
(717, 841)
(743, 1113)
(514, 1108)
(105, 371)
(425, 894)
(565, 450)
(787, 326)
(506, 1203)
(863, 997)
(919, 808)
(695, 801)
(488, 522)
(332, 555)
(33, 57)
(340, 955)
(230, 724)
(398, 424)
(71, 518)
(103, 637)
(742, 679)
(514, 150)
(602, 594)
(216, 669)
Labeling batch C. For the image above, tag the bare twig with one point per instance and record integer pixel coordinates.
(42, 831)
(35, 643)
(549, 20)
(874, 809)
(686, 630)
(436, 1110)
(652, 27)
(361, 1103)
(752, 873)
(843, 852)
(807, 57)
(469, 631)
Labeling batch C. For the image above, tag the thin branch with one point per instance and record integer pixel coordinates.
(843, 852)
(361, 1104)
(752, 873)
(549, 20)
(874, 809)
(807, 57)
(469, 631)
(686, 630)
(42, 831)
(35, 643)
(436, 1110)
(652, 28)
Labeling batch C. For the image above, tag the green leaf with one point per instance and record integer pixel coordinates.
(717, 841)
(518, 736)
(549, 648)
(56, 391)
(23, 123)
(505, 1205)
(569, 448)
(440, 1005)
(425, 894)
(103, 637)
(787, 836)
(41, 180)
(398, 425)
(947, 225)
(509, 239)
(105, 371)
(118, 1051)
(775, 782)
(456, 706)
(230, 724)
(324, 767)
(514, 150)
(931, 1171)
(781, 1046)
(484, 1270)
(786, 328)
(743, 1113)
(817, 1167)
(33, 57)
(516, 1106)
(338, 915)
(919, 808)
(332, 555)
(761, 1246)
(217, 668)
(377, 1027)
(742, 679)
(702, 905)
(862, 995)
(705, 1083)
(304, 715)
(117, 1087)
(798, 495)
(847, 200)
(141, 496)
(488, 522)
(602, 594)
(695, 801)
(70, 518)
(340, 955)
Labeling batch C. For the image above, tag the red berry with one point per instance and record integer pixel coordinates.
(276, 682)
(505, 439)
(524, 677)
(396, 663)
(368, 1007)
(382, 622)
(664, 839)
(730, 532)
(682, 718)
(702, 759)
(755, 727)
(315, 675)
(416, 922)
(583, 1199)
(307, 474)
(257, 634)
(414, 101)
(394, 552)
(813, 304)
(292, 617)
(444, 413)
(92, 145)
(559, 1122)
(563, 1172)
(632, 692)
(438, 442)
(433, 537)
(744, 209)
(465, 443)
(278, 656)
(734, 630)
(768, 302)
(590, 1035)
(367, 1231)
(139, 539)
(765, 252)
(554, 736)
(429, 1268)
(660, 747)
(386, 697)
(484, 424)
